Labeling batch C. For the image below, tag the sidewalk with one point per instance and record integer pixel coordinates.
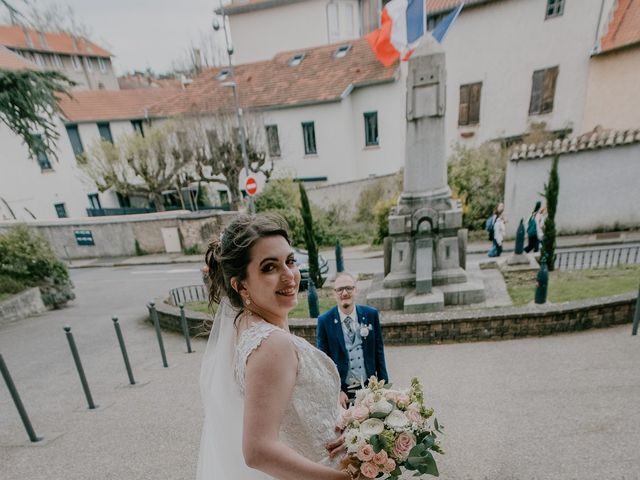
(358, 252)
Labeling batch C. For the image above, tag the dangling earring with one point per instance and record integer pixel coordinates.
(247, 302)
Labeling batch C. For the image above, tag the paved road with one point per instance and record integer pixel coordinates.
(543, 408)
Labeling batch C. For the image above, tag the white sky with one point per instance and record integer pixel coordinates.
(143, 33)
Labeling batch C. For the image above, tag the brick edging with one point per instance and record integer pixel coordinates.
(461, 325)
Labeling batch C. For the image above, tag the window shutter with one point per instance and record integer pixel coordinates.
(549, 89)
(474, 102)
(536, 92)
(463, 112)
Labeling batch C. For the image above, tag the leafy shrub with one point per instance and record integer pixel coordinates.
(476, 177)
(27, 258)
(381, 213)
(10, 285)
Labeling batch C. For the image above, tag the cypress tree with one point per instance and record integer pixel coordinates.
(551, 191)
(309, 237)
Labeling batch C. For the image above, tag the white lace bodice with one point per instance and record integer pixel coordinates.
(312, 415)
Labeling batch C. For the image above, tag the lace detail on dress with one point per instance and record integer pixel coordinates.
(313, 413)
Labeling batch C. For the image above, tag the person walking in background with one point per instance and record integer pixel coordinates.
(489, 224)
(533, 242)
(499, 231)
(351, 336)
(540, 218)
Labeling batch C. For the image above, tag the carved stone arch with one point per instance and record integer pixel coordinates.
(425, 214)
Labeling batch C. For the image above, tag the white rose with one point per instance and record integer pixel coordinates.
(361, 395)
(354, 440)
(372, 426)
(414, 406)
(381, 406)
(364, 331)
(397, 421)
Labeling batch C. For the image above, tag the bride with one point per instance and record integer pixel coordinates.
(270, 398)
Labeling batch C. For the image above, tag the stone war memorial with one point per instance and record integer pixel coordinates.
(426, 272)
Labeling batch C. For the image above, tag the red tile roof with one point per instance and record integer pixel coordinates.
(624, 29)
(274, 83)
(12, 61)
(139, 80)
(107, 105)
(14, 36)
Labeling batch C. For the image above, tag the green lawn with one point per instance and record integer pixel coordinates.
(301, 310)
(575, 285)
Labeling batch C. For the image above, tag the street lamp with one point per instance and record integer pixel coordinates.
(234, 86)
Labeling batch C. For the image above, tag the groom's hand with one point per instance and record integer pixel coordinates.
(344, 400)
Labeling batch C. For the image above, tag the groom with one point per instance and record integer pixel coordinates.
(350, 334)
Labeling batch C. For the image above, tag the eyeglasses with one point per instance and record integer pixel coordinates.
(348, 289)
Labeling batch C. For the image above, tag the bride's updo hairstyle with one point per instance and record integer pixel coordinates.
(228, 256)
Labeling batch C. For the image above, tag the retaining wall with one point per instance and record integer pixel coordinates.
(463, 325)
(21, 305)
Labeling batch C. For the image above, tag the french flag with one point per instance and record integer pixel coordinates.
(403, 23)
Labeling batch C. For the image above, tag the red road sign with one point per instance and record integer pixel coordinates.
(251, 186)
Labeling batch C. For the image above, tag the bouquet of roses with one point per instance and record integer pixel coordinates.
(388, 431)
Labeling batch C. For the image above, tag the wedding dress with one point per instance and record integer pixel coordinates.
(310, 417)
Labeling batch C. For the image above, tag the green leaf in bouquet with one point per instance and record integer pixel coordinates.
(429, 466)
(437, 425)
(380, 415)
(396, 473)
(387, 385)
(429, 440)
(376, 442)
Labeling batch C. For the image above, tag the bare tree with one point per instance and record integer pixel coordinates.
(144, 166)
(54, 17)
(218, 151)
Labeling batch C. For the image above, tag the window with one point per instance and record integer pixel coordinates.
(273, 141)
(105, 131)
(296, 60)
(41, 154)
(57, 60)
(371, 128)
(74, 138)
(61, 210)
(309, 135)
(123, 200)
(469, 110)
(342, 51)
(88, 62)
(543, 91)
(94, 200)
(84, 238)
(102, 64)
(555, 8)
(137, 126)
(75, 60)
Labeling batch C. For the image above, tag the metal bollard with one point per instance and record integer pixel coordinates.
(339, 259)
(16, 399)
(542, 282)
(116, 325)
(312, 298)
(519, 250)
(76, 359)
(156, 323)
(636, 317)
(185, 328)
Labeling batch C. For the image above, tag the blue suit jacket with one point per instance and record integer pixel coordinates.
(330, 339)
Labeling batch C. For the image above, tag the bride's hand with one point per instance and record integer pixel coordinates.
(336, 446)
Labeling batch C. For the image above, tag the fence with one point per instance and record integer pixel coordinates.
(605, 257)
(190, 293)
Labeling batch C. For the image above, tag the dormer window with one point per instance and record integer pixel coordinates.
(342, 51)
(296, 60)
(223, 74)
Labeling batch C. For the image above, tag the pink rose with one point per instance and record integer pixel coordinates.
(414, 417)
(369, 470)
(390, 466)
(390, 395)
(365, 453)
(345, 419)
(380, 458)
(403, 399)
(360, 413)
(403, 445)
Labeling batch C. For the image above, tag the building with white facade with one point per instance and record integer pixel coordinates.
(82, 61)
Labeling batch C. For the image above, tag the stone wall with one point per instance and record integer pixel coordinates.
(22, 305)
(598, 186)
(463, 325)
(115, 236)
(346, 194)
